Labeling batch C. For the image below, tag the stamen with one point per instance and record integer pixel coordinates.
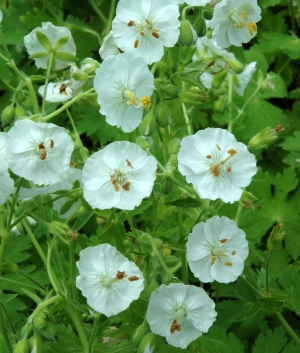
(133, 278)
(43, 155)
(228, 264)
(244, 15)
(218, 147)
(51, 143)
(223, 240)
(213, 260)
(126, 186)
(146, 102)
(121, 51)
(228, 170)
(41, 146)
(175, 327)
(113, 179)
(136, 43)
(120, 274)
(252, 28)
(215, 169)
(233, 253)
(208, 156)
(129, 163)
(130, 23)
(142, 33)
(232, 152)
(148, 22)
(155, 35)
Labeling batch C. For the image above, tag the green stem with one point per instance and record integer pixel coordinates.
(49, 69)
(9, 320)
(73, 272)
(34, 242)
(288, 328)
(99, 12)
(176, 268)
(4, 46)
(230, 87)
(79, 329)
(267, 270)
(83, 153)
(292, 13)
(54, 281)
(42, 306)
(241, 111)
(13, 203)
(238, 214)
(4, 333)
(111, 14)
(173, 248)
(95, 326)
(187, 119)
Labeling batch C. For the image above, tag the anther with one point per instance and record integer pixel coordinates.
(126, 186)
(218, 147)
(121, 51)
(208, 156)
(120, 274)
(213, 260)
(41, 146)
(215, 169)
(155, 35)
(133, 278)
(136, 43)
(228, 169)
(223, 240)
(228, 264)
(130, 23)
(175, 327)
(232, 152)
(43, 155)
(51, 143)
(142, 33)
(233, 253)
(129, 163)
(244, 15)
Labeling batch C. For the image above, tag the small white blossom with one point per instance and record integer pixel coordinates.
(120, 175)
(234, 22)
(216, 164)
(57, 91)
(180, 313)
(54, 34)
(39, 152)
(216, 250)
(109, 47)
(6, 183)
(108, 280)
(124, 85)
(146, 27)
(3, 156)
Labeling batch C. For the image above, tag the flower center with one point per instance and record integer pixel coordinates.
(119, 177)
(181, 312)
(218, 251)
(107, 281)
(216, 167)
(143, 102)
(145, 27)
(41, 151)
(241, 21)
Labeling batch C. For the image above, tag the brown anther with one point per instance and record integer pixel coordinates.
(41, 146)
(155, 35)
(126, 186)
(208, 156)
(175, 327)
(136, 43)
(233, 253)
(63, 88)
(130, 23)
(215, 169)
(113, 179)
(232, 152)
(228, 169)
(120, 274)
(218, 147)
(223, 240)
(121, 51)
(148, 22)
(133, 278)
(279, 128)
(211, 64)
(129, 163)
(51, 143)
(142, 33)
(213, 260)
(43, 156)
(228, 264)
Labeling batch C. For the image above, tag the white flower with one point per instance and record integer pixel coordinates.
(193, 2)
(244, 78)
(120, 176)
(124, 85)
(54, 34)
(180, 313)
(109, 47)
(234, 22)
(108, 280)
(145, 27)
(1, 16)
(3, 156)
(216, 250)
(208, 49)
(39, 152)
(6, 183)
(57, 91)
(216, 164)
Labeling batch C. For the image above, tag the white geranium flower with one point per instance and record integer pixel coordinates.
(57, 91)
(216, 164)
(39, 152)
(244, 78)
(208, 49)
(180, 313)
(234, 22)
(145, 27)
(108, 280)
(54, 34)
(216, 250)
(120, 176)
(109, 47)
(3, 157)
(6, 183)
(124, 85)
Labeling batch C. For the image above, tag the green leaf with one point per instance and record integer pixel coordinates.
(66, 206)
(273, 341)
(290, 279)
(44, 41)
(39, 55)
(292, 144)
(185, 203)
(65, 56)
(33, 296)
(61, 42)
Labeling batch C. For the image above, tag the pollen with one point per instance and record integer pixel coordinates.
(215, 169)
(228, 169)
(136, 43)
(129, 164)
(175, 327)
(133, 278)
(228, 264)
(142, 33)
(208, 156)
(233, 253)
(213, 260)
(43, 155)
(120, 274)
(51, 143)
(130, 23)
(146, 102)
(252, 28)
(113, 179)
(41, 146)
(223, 240)
(155, 34)
(244, 15)
(126, 186)
(232, 152)
(218, 147)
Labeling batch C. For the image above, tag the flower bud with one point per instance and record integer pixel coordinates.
(274, 242)
(19, 112)
(147, 344)
(186, 33)
(208, 14)
(247, 199)
(219, 105)
(7, 115)
(236, 81)
(219, 78)
(162, 115)
(174, 146)
(171, 260)
(263, 138)
(9, 267)
(236, 66)
(192, 96)
(36, 344)
(147, 126)
(21, 347)
(40, 322)
(167, 187)
(27, 102)
(200, 27)
(144, 142)
(170, 90)
(79, 75)
(62, 230)
(139, 334)
(89, 66)
(49, 331)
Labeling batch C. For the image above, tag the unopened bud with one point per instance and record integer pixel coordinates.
(171, 260)
(263, 138)
(247, 199)
(62, 230)
(170, 90)
(219, 105)
(186, 33)
(208, 14)
(275, 239)
(36, 344)
(21, 347)
(174, 146)
(236, 81)
(49, 331)
(20, 112)
(7, 115)
(144, 142)
(219, 78)
(167, 186)
(192, 96)
(89, 66)
(236, 66)
(147, 126)
(200, 27)
(40, 323)
(162, 115)
(147, 344)
(139, 334)
(79, 75)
